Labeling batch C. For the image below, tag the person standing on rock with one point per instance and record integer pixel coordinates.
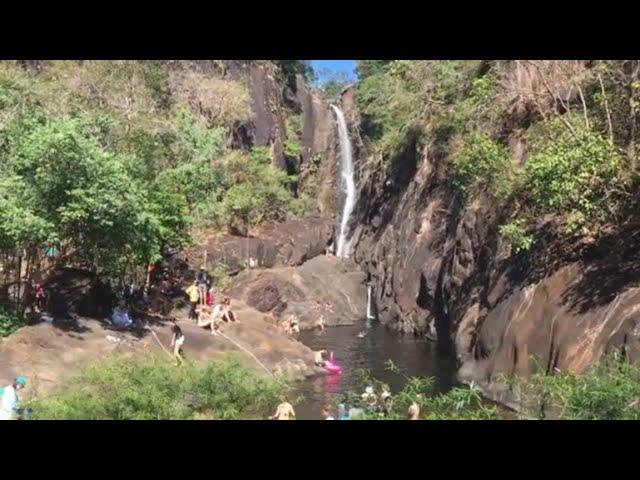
(210, 297)
(10, 404)
(40, 296)
(194, 296)
(284, 411)
(177, 340)
(204, 282)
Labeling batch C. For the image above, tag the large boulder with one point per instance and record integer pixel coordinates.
(293, 290)
(277, 244)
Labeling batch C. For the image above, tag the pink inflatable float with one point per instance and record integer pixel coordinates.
(331, 366)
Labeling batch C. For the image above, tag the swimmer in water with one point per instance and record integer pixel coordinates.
(369, 398)
(317, 358)
(362, 334)
(284, 411)
(414, 411)
(326, 412)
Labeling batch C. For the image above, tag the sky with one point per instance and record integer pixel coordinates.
(346, 66)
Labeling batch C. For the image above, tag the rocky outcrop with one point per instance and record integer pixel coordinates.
(47, 354)
(439, 269)
(277, 244)
(319, 168)
(288, 290)
(274, 104)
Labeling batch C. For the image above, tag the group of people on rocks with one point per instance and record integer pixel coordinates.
(203, 311)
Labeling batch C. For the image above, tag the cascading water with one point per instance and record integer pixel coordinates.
(369, 309)
(346, 170)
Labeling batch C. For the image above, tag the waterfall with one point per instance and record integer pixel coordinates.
(369, 313)
(346, 170)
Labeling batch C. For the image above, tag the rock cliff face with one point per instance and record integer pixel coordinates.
(274, 103)
(439, 269)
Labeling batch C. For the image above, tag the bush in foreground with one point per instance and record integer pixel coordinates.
(608, 390)
(153, 389)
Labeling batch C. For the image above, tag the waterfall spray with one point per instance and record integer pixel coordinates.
(369, 299)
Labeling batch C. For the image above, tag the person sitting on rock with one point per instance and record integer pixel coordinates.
(286, 328)
(317, 358)
(284, 411)
(295, 324)
(291, 325)
(223, 311)
(120, 317)
(206, 319)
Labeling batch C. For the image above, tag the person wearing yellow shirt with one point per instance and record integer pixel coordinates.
(194, 297)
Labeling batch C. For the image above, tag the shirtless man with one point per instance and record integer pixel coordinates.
(414, 411)
(290, 325)
(326, 412)
(284, 411)
(368, 397)
(295, 324)
(206, 318)
(317, 358)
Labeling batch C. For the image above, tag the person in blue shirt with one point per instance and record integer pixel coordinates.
(10, 403)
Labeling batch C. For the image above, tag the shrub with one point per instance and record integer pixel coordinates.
(516, 234)
(608, 390)
(574, 173)
(153, 389)
(220, 102)
(479, 161)
(9, 322)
